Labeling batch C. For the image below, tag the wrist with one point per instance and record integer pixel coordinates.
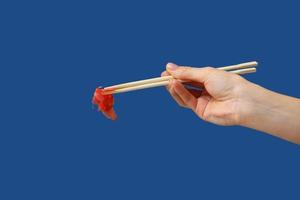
(255, 102)
(269, 112)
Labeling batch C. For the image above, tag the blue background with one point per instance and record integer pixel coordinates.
(55, 145)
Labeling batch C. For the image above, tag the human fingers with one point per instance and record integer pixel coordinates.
(202, 103)
(188, 99)
(189, 73)
(165, 73)
(195, 92)
(175, 95)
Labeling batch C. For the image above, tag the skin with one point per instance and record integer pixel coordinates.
(229, 99)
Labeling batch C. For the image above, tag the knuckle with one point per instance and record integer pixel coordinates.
(206, 116)
(182, 71)
(208, 68)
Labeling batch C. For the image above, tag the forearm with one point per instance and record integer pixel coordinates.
(270, 112)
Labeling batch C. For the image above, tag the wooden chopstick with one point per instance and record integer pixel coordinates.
(138, 87)
(239, 66)
(166, 82)
(244, 71)
(165, 78)
(136, 83)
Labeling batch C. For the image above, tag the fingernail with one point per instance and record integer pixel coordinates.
(171, 66)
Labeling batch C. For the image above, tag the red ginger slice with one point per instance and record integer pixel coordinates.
(105, 103)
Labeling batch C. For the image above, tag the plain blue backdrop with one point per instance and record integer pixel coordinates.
(55, 145)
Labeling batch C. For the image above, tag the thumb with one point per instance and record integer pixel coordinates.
(189, 73)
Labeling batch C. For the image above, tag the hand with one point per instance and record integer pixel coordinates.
(221, 100)
(229, 99)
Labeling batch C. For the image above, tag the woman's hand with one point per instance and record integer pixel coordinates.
(229, 99)
(219, 102)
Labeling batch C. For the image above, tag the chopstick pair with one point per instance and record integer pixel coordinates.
(243, 68)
